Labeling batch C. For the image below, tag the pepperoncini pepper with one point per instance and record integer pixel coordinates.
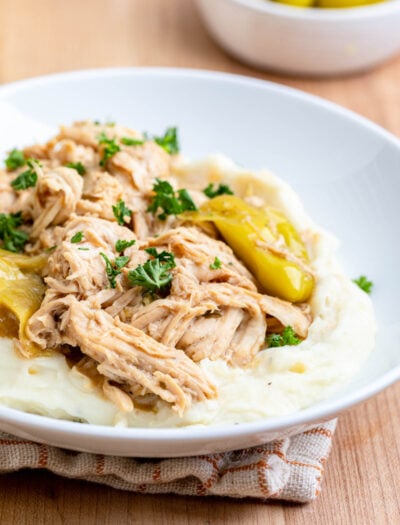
(20, 296)
(297, 3)
(266, 242)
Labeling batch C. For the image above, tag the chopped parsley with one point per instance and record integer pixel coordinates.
(110, 148)
(216, 265)
(169, 141)
(28, 178)
(78, 166)
(171, 202)
(77, 237)
(288, 337)
(164, 257)
(155, 274)
(51, 248)
(122, 245)
(120, 211)
(14, 240)
(129, 141)
(108, 123)
(364, 283)
(113, 269)
(222, 189)
(15, 159)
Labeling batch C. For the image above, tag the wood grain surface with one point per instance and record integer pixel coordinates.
(362, 479)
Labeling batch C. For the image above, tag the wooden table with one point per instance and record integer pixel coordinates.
(362, 480)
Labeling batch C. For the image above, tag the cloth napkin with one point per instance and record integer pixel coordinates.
(288, 469)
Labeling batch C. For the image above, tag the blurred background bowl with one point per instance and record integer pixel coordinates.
(304, 41)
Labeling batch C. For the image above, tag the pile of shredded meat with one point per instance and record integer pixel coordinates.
(137, 347)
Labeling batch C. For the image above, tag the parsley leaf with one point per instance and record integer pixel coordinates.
(28, 178)
(363, 283)
(110, 148)
(129, 141)
(15, 159)
(165, 257)
(120, 211)
(121, 261)
(186, 201)
(122, 245)
(77, 237)
(169, 141)
(155, 274)
(107, 123)
(216, 265)
(13, 240)
(222, 189)
(78, 166)
(113, 269)
(274, 340)
(170, 201)
(288, 337)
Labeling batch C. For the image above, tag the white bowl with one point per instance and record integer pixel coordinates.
(345, 169)
(308, 41)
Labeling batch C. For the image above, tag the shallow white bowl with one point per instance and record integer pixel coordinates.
(308, 41)
(345, 169)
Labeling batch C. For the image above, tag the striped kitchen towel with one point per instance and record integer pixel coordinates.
(288, 469)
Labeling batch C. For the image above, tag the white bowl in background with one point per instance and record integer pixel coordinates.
(345, 169)
(304, 41)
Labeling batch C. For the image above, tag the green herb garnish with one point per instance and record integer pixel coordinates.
(288, 337)
(28, 178)
(122, 245)
(15, 159)
(113, 269)
(364, 283)
(171, 202)
(78, 166)
(120, 211)
(14, 240)
(77, 237)
(222, 189)
(108, 123)
(129, 141)
(110, 148)
(169, 141)
(155, 274)
(164, 257)
(216, 265)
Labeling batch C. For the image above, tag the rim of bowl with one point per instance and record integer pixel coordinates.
(322, 411)
(350, 13)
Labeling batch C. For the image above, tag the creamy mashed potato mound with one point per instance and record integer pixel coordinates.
(279, 380)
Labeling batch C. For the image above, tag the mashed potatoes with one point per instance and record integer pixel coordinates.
(279, 381)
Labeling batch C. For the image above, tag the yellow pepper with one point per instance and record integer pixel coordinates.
(297, 3)
(27, 263)
(335, 4)
(252, 233)
(20, 296)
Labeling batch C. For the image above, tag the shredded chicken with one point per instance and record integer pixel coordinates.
(127, 355)
(138, 347)
(55, 198)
